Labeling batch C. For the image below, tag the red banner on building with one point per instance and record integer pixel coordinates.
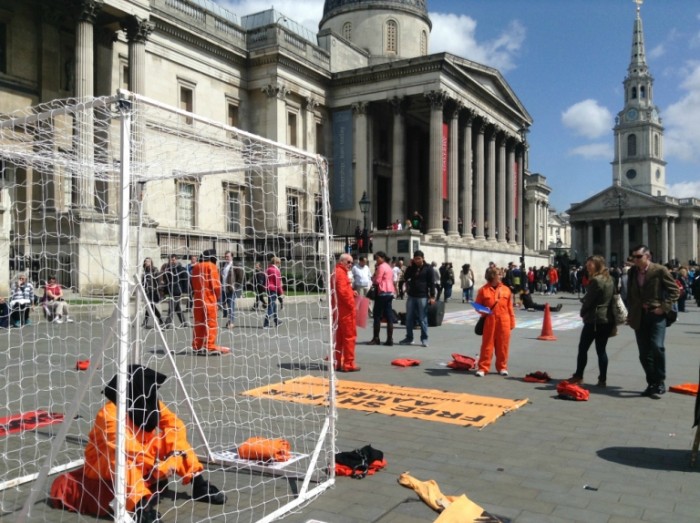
(445, 141)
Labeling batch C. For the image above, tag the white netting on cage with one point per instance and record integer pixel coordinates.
(223, 217)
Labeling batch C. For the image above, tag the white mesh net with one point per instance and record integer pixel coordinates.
(196, 185)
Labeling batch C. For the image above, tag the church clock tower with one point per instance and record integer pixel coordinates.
(639, 136)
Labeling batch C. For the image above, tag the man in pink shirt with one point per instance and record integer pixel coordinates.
(275, 291)
(384, 280)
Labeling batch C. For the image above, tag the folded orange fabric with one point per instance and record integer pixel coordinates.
(405, 362)
(263, 449)
(685, 388)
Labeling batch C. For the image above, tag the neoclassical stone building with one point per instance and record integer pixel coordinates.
(438, 134)
(636, 208)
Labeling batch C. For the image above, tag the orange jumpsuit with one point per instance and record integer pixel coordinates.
(150, 456)
(497, 326)
(344, 319)
(206, 289)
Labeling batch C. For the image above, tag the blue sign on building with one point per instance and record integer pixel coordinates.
(343, 185)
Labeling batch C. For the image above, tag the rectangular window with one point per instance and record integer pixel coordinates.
(318, 213)
(124, 73)
(3, 47)
(293, 223)
(186, 205)
(232, 114)
(320, 140)
(186, 102)
(102, 196)
(292, 129)
(233, 210)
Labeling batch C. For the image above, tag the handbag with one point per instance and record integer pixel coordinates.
(619, 311)
(479, 327)
(671, 317)
(372, 292)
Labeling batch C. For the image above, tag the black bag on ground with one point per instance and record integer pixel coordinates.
(436, 313)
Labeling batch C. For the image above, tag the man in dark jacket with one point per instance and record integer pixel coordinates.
(420, 287)
(651, 293)
(176, 282)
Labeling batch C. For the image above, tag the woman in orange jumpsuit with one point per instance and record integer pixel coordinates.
(497, 325)
(156, 446)
(206, 289)
(344, 316)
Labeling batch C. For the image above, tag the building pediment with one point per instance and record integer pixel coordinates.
(608, 204)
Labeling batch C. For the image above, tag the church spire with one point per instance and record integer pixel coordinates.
(639, 135)
(638, 62)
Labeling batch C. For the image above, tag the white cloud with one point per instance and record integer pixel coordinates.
(657, 51)
(456, 34)
(588, 119)
(685, 190)
(682, 120)
(593, 151)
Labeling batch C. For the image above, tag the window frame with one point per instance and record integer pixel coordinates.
(229, 190)
(179, 218)
(184, 85)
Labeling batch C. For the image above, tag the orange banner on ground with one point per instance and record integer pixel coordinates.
(433, 405)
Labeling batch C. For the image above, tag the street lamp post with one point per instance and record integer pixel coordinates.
(523, 134)
(365, 204)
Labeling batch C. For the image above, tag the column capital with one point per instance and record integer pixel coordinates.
(468, 117)
(456, 109)
(277, 90)
(360, 107)
(399, 104)
(437, 99)
(137, 29)
(87, 10)
(310, 103)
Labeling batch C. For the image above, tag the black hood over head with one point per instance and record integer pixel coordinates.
(141, 395)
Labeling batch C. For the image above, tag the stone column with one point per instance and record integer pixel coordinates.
(511, 192)
(502, 189)
(87, 11)
(645, 232)
(399, 207)
(362, 171)
(267, 185)
(467, 179)
(491, 186)
(672, 239)
(521, 199)
(437, 101)
(608, 241)
(310, 140)
(137, 32)
(589, 239)
(479, 180)
(453, 174)
(625, 240)
(664, 240)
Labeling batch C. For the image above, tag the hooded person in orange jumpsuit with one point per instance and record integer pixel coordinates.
(156, 446)
(344, 316)
(497, 325)
(206, 289)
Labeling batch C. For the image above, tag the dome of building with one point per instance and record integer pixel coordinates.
(387, 29)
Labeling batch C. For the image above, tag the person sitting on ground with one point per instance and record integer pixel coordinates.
(21, 301)
(528, 303)
(54, 303)
(156, 446)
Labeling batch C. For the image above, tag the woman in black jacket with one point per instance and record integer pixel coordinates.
(149, 280)
(597, 323)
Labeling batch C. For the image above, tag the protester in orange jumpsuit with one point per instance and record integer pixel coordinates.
(156, 446)
(206, 289)
(344, 316)
(497, 326)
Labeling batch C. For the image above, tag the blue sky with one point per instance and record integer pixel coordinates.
(566, 61)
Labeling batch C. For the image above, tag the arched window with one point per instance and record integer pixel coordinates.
(423, 43)
(634, 93)
(656, 145)
(642, 92)
(632, 145)
(391, 37)
(347, 31)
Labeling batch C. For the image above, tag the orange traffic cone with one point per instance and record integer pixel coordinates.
(547, 334)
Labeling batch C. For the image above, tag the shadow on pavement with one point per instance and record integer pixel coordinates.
(649, 458)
